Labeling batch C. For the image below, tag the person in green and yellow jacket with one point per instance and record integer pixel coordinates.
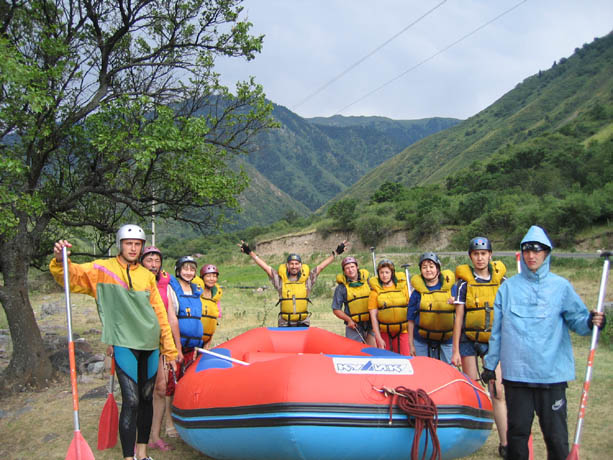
(134, 322)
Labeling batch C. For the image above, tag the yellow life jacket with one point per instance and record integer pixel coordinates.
(294, 299)
(357, 295)
(436, 316)
(210, 313)
(479, 307)
(392, 305)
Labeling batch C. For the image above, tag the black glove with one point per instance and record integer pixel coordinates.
(340, 248)
(488, 375)
(245, 248)
(590, 323)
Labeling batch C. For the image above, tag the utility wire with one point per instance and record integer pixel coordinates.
(419, 64)
(359, 61)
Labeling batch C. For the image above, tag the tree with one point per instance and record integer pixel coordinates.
(343, 213)
(105, 109)
(388, 191)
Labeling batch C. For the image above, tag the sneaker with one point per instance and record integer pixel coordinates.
(502, 451)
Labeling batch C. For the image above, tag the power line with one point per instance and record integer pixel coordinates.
(419, 64)
(362, 59)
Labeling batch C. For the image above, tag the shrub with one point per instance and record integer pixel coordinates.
(343, 213)
(388, 191)
(372, 229)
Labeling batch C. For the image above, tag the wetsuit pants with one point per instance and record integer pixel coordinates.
(136, 372)
(549, 403)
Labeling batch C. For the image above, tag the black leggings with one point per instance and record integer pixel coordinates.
(137, 404)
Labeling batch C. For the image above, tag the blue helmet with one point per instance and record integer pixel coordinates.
(479, 242)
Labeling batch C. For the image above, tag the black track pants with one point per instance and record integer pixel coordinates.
(136, 404)
(550, 407)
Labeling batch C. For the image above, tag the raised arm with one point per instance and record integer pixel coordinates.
(82, 276)
(328, 260)
(259, 261)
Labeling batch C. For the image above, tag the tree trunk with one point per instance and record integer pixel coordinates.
(30, 365)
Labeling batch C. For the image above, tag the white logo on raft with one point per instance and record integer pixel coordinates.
(382, 366)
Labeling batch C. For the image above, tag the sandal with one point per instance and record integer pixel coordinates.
(160, 444)
(171, 432)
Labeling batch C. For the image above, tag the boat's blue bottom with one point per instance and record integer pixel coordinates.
(326, 441)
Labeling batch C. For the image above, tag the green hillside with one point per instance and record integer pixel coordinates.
(263, 203)
(312, 160)
(542, 154)
(543, 103)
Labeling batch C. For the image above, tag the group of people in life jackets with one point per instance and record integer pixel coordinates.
(460, 316)
(432, 316)
(154, 322)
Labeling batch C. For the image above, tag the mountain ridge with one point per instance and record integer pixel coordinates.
(541, 103)
(312, 160)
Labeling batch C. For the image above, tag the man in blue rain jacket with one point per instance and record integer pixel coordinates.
(533, 313)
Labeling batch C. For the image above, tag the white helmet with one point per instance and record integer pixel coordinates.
(130, 231)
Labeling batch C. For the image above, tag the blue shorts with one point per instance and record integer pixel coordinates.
(469, 348)
(437, 350)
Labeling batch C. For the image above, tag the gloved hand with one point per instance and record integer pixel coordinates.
(590, 320)
(245, 248)
(488, 375)
(340, 248)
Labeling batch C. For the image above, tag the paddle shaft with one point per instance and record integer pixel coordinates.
(112, 379)
(374, 261)
(407, 274)
(357, 329)
(517, 258)
(593, 345)
(71, 354)
(220, 356)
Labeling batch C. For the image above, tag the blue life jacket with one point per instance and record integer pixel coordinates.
(189, 314)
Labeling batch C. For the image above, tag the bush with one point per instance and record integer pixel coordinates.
(388, 191)
(372, 229)
(343, 213)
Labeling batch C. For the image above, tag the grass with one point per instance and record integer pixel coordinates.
(39, 424)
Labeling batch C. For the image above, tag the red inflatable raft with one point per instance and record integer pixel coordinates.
(306, 393)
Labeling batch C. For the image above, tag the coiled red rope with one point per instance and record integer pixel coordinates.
(419, 407)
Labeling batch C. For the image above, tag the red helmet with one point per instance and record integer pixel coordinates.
(151, 250)
(349, 260)
(208, 268)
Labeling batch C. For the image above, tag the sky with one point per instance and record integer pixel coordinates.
(408, 59)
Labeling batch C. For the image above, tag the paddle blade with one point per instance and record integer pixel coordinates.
(574, 453)
(79, 449)
(108, 424)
